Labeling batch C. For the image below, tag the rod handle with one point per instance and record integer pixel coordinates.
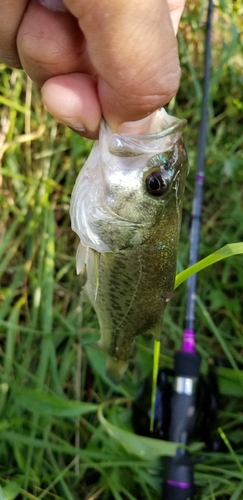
(178, 484)
(172, 492)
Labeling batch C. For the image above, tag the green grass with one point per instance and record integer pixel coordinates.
(55, 444)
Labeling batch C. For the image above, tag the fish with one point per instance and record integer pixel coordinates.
(126, 209)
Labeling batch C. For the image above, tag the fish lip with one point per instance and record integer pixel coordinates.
(177, 126)
(131, 144)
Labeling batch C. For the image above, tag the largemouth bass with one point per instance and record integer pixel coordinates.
(126, 209)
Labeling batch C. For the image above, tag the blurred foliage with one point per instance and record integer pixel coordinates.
(53, 446)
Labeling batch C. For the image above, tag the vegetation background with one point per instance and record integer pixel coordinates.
(53, 443)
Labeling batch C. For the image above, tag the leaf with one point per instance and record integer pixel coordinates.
(2, 495)
(222, 253)
(45, 404)
(12, 104)
(140, 446)
(230, 382)
(10, 491)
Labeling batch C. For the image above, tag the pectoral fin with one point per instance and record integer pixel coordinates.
(94, 262)
(81, 259)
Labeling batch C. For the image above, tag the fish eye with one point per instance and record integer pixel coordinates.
(156, 184)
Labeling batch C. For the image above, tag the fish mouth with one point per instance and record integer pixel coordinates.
(138, 144)
(177, 126)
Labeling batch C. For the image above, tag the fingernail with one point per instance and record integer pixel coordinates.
(72, 123)
(81, 130)
(54, 5)
(137, 127)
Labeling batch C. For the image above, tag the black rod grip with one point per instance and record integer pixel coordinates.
(171, 492)
(178, 484)
(183, 414)
(178, 474)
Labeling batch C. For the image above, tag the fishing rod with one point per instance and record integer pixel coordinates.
(178, 478)
(176, 402)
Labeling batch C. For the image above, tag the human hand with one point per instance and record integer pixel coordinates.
(116, 58)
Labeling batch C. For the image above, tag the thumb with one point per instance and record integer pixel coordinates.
(133, 49)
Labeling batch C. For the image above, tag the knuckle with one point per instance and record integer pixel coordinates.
(142, 97)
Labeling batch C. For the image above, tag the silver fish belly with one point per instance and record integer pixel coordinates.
(126, 208)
